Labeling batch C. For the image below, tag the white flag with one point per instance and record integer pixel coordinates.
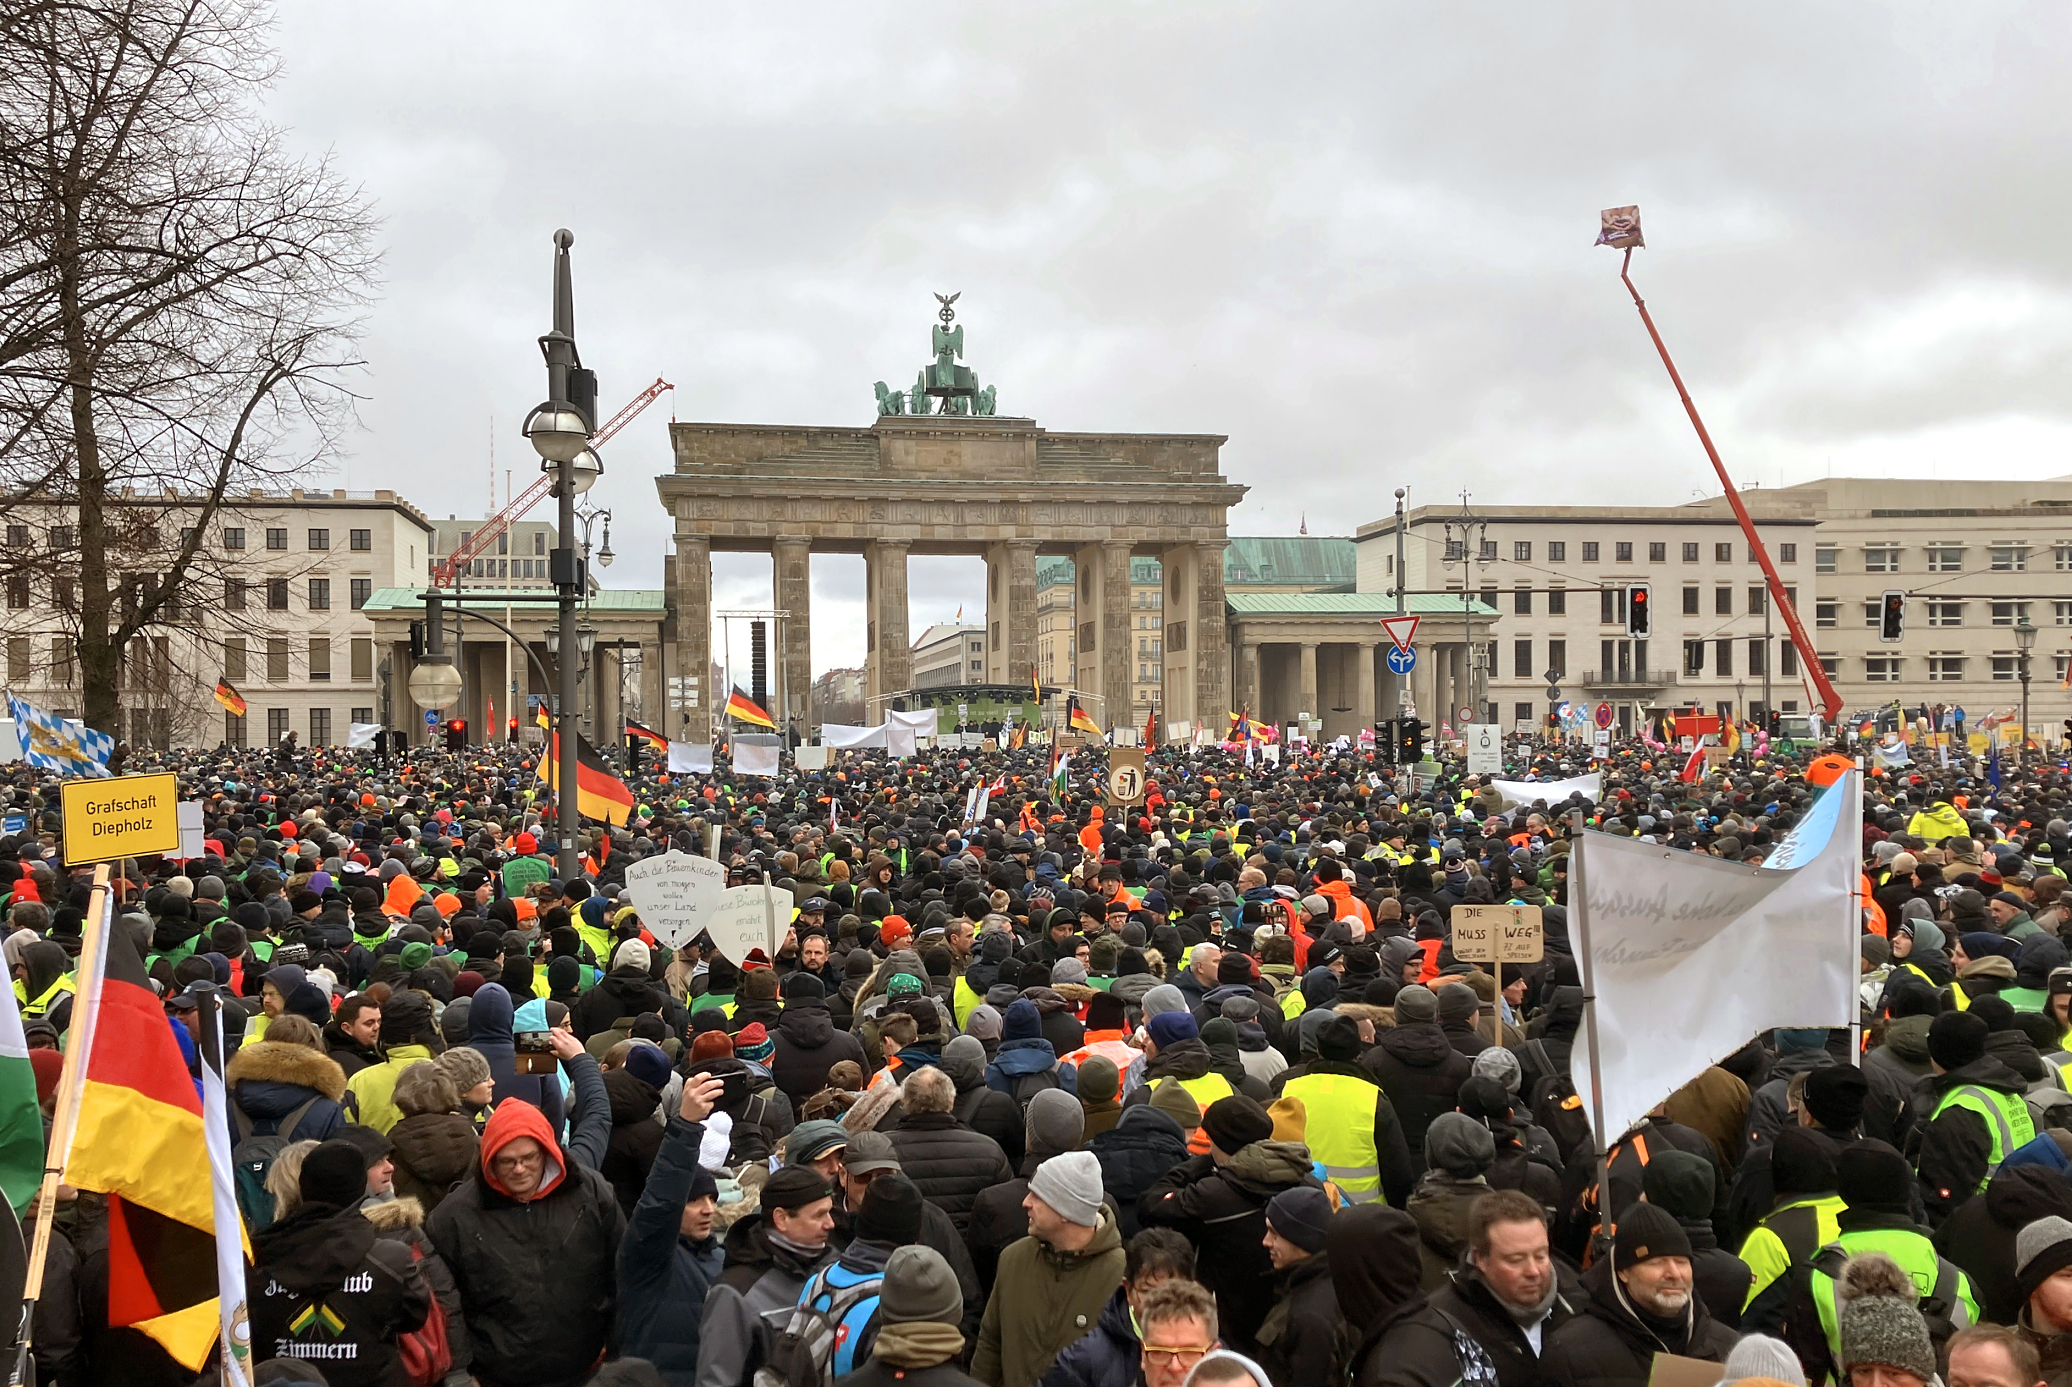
(1690, 957)
(363, 734)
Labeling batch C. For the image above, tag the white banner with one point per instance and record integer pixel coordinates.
(810, 758)
(675, 894)
(755, 758)
(362, 734)
(921, 720)
(749, 917)
(845, 737)
(1690, 957)
(1552, 791)
(900, 739)
(690, 758)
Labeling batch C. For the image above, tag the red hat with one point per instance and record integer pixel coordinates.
(894, 929)
(712, 1045)
(526, 843)
(287, 828)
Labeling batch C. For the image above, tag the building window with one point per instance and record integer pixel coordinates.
(362, 540)
(1589, 551)
(1723, 553)
(1878, 669)
(1521, 658)
(1830, 665)
(2063, 611)
(1722, 601)
(276, 594)
(363, 588)
(1788, 661)
(1945, 558)
(320, 594)
(1694, 657)
(1945, 666)
(2061, 557)
(2010, 613)
(1945, 613)
(233, 537)
(1870, 615)
(234, 659)
(2061, 667)
(1690, 552)
(1824, 558)
(233, 594)
(1557, 551)
(1658, 553)
(1521, 601)
(539, 542)
(363, 661)
(1881, 558)
(17, 536)
(1557, 601)
(1488, 595)
(1622, 551)
(1787, 553)
(62, 651)
(276, 658)
(277, 538)
(2006, 665)
(363, 716)
(320, 539)
(319, 657)
(1723, 657)
(18, 590)
(1757, 596)
(276, 724)
(1758, 656)
(1690, 600)
(2009, 558)
(18, 659)
(320, 727)
(1557, 658)
(1521, 550)
(1608, 606)
(1487, 552)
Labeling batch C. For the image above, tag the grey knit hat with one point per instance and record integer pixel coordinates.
(468, 1067)
(1879, 1322)
(1055, 1122)
(1071, 1184)
(1759, 1355)
(1501, 1065)
(2041, 1250)
(920, 1288)
(1416, 1005)
(1459, 1145)
(1162, 998)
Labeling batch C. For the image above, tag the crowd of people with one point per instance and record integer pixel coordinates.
(1185, 1091)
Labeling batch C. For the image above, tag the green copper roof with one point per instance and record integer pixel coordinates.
(1310, 561)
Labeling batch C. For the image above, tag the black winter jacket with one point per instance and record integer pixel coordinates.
(985, 1109)
(950, 1162)
(1955, 1147)
(625, 992)
(808, 1045)
(1136, 1153)
(1416, 1347)
(1299, 1337)
(333, 1262)
(636, 1136)
(1421, 1072)
(1608, 1345)
(1979, 1236)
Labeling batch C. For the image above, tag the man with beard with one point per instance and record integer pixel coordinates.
(1640, 1304)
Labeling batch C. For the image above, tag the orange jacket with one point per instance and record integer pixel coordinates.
(1090, 836)
(1344, 904)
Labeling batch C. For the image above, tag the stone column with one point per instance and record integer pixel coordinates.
(1309, 708)
(791, 569)
(1021, 610)
(1208, 632)
(692, 720)
(1246, 701)
(1118, 641)
(892, 659)
(1364, 708)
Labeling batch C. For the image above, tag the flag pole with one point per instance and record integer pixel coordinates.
(71, 1080)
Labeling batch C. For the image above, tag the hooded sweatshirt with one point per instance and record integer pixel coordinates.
(491, 1024)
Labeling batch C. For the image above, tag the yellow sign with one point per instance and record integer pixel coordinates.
(129, 816)
(1498, 934)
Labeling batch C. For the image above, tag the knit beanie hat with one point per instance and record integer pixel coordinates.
(1957, 1038)
(1680, 1183)
(1802, 1161)
(1098, 1080)
(1339, 1039)
(1416, 1005)
(1163, 998)
(1071, 1184)
(1835, 1096)
(1290, 1118)
(1177, 1103)
(2041, 1250)
(1068, 970)
(1647, 1232)
(1880, 1323)
(334, 1174)
(1872, 1175)
(1302, 1215)
(1759, 1355)
(753, 1043)
(1169, 1028)
(891, 1211)
(1105, 1012)
(1458, 1145)
(1054, 1122)
(920, 1288)
(467, 1066)
(811, 1140)
(793, 1187)
(1499, 1064)
(711, 1045)
(1236, 1122)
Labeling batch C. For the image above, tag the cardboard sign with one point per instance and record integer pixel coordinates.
(749, 917)
(811, 758)
(675, 894)
(1674, 1370)
(1498, 934)
(128, 816)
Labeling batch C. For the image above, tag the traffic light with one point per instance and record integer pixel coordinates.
(1892, 617)
(457, 734)
(511, 730)
(1638, 619)
(1409, 742)
(1385, 740)
(416, 641)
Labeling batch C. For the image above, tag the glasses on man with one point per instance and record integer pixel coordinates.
(1185, 1356)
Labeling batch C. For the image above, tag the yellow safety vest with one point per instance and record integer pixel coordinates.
(599, 940)
(1767, 1253)
(1209, 1088)
(2006, 1115)
(42, 1005)
(1341, 1131)
(964, 1001)
(1916, 1255)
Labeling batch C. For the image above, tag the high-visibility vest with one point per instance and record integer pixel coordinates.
(599, 940)
(1340, 1131)
(1209, 1088)
(1788, 1238)
(1118, 1052)
(1915, 1254)
(964, 1001)
(46, 1000)
(2006, 1116)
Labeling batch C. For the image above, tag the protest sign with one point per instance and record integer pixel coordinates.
(750, 917)
(675, 894)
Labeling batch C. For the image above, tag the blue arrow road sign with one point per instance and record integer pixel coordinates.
(1401, 661)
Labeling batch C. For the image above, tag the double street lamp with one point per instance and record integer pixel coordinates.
(2024, 642)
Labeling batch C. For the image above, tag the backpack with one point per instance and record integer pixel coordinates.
(821, 1324)
(1942, 1309)
(427, 1351)
(253, 1157)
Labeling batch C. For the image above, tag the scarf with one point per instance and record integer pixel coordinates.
(922, 1344)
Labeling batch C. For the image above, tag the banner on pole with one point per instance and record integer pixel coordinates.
(1552, 791)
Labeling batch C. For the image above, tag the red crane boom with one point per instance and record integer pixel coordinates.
(478, 543)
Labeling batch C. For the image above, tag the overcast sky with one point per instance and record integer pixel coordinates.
(1355, 239)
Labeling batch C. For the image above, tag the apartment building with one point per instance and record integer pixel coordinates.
(1558, 578)
(948, 654)
(273, 605)
(517, 560)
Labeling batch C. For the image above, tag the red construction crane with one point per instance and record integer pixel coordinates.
(479, 542)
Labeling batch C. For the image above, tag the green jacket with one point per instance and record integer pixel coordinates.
(1043, 1301)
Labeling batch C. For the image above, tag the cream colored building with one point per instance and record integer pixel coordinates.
(274, 605)
(949, 653)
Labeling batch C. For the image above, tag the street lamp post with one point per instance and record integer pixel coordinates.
(2024, 642)
(559, 429)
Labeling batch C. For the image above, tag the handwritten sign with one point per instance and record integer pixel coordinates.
(1498, 934)
(676, 894)
(746, 919)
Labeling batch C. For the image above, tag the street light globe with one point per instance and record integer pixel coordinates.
(2024, 635)
(586, 640)
(557, 432)
(583, 471)
(605, 555)
(435, 683)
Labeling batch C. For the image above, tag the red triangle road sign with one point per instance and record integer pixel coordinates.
(1399, 630)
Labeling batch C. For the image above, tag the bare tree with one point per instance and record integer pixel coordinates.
(180, 299)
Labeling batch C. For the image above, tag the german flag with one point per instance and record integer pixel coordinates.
(541, 716)
(1078, 719)
(229, 697)
(742, 708)
(599, 793)
(646, 734)
(139, 1139)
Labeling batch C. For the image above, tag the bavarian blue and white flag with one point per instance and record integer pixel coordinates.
(63, 745)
